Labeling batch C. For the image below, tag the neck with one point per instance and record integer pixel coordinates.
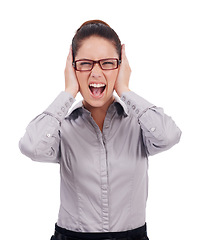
(99, 113)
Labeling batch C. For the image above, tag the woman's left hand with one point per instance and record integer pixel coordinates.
(122, 81)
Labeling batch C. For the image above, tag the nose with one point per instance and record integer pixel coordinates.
(96, 71)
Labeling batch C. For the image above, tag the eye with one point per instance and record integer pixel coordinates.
(85, 63)
(108, 63)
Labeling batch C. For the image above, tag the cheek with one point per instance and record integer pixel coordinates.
(79, 77)
(82, 79)
(111, 78)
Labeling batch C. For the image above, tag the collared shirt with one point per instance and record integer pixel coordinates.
(104, 174)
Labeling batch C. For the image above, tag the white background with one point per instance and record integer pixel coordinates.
(162, 45)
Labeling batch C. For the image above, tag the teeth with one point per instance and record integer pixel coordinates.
(97, 85)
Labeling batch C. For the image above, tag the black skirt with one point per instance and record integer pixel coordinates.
(135, 234)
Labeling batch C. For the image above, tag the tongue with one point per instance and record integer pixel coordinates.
(97, 91)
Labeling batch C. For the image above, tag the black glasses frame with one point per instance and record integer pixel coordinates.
(94, 62)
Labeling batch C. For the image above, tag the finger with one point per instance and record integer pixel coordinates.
(125, 59)
(123, 47)
(68, 60)
(69, 57)
(123, 52)
(71, 50)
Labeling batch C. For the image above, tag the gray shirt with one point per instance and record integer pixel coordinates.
(104, 180)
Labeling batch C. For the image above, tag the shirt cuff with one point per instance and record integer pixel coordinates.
(60, 106)
(135, 104)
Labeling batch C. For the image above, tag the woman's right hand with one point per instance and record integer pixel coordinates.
(71, 82)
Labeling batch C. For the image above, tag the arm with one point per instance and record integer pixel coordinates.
(159, 130)
(41, 141)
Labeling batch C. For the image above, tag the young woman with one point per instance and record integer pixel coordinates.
(102, 144)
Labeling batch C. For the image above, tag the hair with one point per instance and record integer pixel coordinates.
(95, 28)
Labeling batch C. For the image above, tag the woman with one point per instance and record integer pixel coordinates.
(102, 144)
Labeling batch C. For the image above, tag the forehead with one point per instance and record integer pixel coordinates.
(96, 48)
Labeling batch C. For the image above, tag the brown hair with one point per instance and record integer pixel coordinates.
(96, 28)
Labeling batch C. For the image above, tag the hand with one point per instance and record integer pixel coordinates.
(71, 83)
(122, 82)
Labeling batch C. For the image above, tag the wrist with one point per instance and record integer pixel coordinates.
(122, 90)
(71, 91)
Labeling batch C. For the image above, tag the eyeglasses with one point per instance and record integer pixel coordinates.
(105, 64)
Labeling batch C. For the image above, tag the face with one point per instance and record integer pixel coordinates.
(97, 85)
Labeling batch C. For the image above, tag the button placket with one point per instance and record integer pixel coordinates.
(104, 167)
(104, 184)
(105, 204)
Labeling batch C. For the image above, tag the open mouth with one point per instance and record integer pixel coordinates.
(97, 89)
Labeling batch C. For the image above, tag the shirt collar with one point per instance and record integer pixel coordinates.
(79, 108)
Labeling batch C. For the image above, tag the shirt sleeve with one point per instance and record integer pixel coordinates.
(41, 141)
(159, 131)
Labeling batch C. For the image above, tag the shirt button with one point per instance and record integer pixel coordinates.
(48, 135)
(63, 109)
(133, 107)
(71, 100)
(137, 111)
(50, 153)
(123, 98)
(59, 113)
(153, 129)
(128, 103)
